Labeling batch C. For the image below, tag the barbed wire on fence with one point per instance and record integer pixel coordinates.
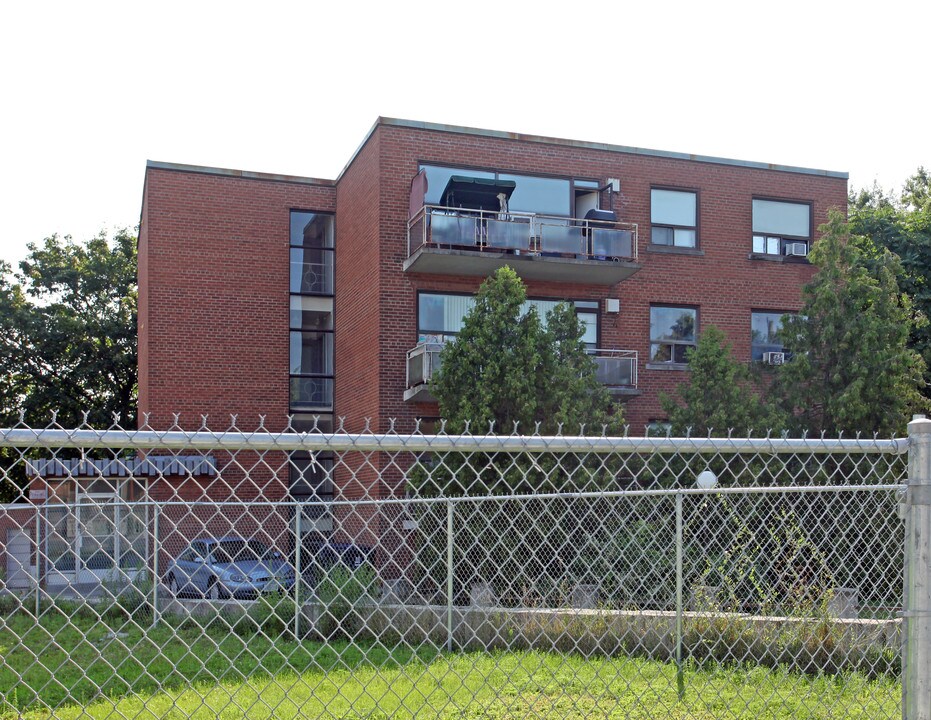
(225, 555)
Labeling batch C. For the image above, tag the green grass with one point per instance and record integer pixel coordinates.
(70, 666)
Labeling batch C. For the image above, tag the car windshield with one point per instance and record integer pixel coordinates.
(231, 551)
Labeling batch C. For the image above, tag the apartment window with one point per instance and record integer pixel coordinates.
(673, 217)
(672, 333)
(311, 474)
(312, 240)
(765, 333)
(781, 228)
(440, 316)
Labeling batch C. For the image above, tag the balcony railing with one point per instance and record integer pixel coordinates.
(521, 233)
(615, 369)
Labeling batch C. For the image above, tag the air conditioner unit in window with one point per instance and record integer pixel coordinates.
(797, 249)
(774, 358)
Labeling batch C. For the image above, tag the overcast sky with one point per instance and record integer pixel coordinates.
(91, 90)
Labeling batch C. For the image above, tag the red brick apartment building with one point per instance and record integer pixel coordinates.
(272, 295)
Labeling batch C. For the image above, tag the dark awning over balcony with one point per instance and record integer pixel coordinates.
(464, 191)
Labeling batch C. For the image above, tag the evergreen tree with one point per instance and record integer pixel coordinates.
(851, 369)
(506, 367)
(722, 394)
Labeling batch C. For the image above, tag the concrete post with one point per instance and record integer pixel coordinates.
(916, 655)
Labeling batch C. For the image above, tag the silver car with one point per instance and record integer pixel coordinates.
(229, 567)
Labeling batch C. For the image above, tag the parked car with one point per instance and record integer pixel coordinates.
(235, 567)
(229, 567)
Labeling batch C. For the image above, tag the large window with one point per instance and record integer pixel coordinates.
(673, 331)
(311, 311)
(532, 194)
(440, 316)
(765, 333)
(673, 217)
(781, 228)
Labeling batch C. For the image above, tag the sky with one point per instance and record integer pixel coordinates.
(92, 90)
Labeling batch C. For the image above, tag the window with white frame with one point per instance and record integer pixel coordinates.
(781, 228)
(673, 218)
(673, 332)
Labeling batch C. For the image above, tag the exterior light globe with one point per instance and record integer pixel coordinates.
(706, 480)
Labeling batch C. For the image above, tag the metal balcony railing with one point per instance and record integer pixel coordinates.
(519, 233)
(616, 368)
(613, 368)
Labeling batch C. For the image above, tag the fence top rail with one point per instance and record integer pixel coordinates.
(203, 440)
(407, 502)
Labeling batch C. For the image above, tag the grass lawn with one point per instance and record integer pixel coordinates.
(74, 665)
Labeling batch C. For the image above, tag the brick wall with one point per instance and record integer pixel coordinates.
(213, 296)
(723, 282)
(213, 302)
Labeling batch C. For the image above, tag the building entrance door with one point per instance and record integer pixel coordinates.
(97, 537)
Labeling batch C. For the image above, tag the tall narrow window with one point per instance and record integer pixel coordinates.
(311, 311)
(673, 217)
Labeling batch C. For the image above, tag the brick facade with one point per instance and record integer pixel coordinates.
(213, 279)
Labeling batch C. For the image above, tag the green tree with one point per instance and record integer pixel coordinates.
(68, 332)
(902, 225)
(506, 367)
(851, 369)
(722, 394)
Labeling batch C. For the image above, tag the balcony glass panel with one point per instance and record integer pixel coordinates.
(453, 229)
(311, 353)
(312, 271)
(561, 238)
(512, 233)
(308, 393)
(615, 371)
(611, 243)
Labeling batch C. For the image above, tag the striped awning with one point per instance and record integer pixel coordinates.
(151, 466)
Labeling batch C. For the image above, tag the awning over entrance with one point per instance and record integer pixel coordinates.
(152, 466)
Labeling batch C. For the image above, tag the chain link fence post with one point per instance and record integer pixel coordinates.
(916, 656)
(298, 577)
(156, 547)
(680, 676)
(449, 576)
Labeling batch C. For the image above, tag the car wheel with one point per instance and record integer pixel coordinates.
(173, 586)
(213, 590)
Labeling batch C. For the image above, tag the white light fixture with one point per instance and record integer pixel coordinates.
(706, 480)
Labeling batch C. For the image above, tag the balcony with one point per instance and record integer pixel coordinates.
(615, 369)
(452, 241)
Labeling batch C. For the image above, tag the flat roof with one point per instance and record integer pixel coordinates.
(480, 132)
(227, 172)
(462, 130)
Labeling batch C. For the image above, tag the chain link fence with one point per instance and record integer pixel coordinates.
(309, 574)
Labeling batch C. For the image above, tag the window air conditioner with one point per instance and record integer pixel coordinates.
(797, 249)
(774, 358)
